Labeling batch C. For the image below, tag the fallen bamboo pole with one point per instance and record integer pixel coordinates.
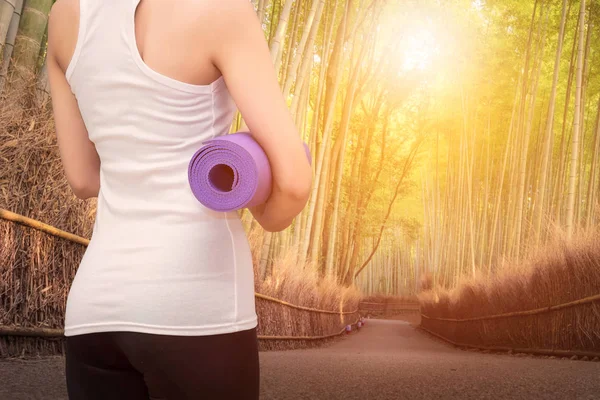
(32, 223)
(31, 332)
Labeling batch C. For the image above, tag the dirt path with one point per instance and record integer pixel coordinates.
(386, 360)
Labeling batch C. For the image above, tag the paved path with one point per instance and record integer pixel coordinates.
(386, 360)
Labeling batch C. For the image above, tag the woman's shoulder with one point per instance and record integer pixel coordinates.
(63, 25)
(64, 9)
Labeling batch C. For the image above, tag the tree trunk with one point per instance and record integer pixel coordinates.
(576, 126)
(274, 16)
(276, 47)
(305, 46)
(9, 44)
(43, 87)
(29, 39)
(264, 254)
(562, 164)
(407, 166)
(7, 9)
(322, 197)
(549, 137)
(509, 145)
(525, 148)
(288, 54)
(579, 197)
(261, 10)
(334, 77)
(362, 176)
(515, 158)
(591, 190)
(485, 232)
(350, 214)
(303, 76)
(469, 162)
(302, 237)
(339, 169)
(326, 47)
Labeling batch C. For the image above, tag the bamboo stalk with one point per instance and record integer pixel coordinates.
(335, 65)
(7, 8)
(7, 40)
(549, 133)
(576, 127)
(22, 220)
(28, 42)
(557, 192)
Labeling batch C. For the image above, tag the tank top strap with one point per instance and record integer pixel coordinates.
(81, 34)
(105, 26)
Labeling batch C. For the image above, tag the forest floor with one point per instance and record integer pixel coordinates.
(387, 359)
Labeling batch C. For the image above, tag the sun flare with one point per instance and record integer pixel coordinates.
(419, 50)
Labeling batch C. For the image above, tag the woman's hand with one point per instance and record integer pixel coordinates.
(241, 54)
(278, 212)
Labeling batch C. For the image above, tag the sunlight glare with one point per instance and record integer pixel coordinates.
(478, 4)
(420, 49)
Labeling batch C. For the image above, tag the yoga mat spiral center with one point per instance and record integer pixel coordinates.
(221, 177)
(230, 172)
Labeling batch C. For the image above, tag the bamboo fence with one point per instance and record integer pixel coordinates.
(540, 310)
(460, 332)
(302, 320)
(387, 308)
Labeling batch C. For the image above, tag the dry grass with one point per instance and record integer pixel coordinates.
(559, 273)
(36, 269)
(300, 285)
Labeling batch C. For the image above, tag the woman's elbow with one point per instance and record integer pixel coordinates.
(300, 185)
(83, 190)
(84, 193)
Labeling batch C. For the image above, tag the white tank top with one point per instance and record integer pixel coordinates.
(158, 261)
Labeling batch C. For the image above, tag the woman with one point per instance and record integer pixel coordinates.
(162, 305)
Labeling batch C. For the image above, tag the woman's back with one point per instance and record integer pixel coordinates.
(162, 305)
(158, 261)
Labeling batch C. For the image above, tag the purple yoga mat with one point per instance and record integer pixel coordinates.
(231, 172)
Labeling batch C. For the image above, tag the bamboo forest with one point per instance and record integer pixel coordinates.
(448, 137)
(449, 247)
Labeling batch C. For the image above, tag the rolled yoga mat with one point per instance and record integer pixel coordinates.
(231, 172)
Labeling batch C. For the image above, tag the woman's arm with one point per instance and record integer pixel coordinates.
(242, 55)
(78, 154)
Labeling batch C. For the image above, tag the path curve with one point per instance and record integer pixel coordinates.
(387, 359)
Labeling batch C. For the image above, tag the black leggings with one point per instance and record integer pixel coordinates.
(136, 366)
